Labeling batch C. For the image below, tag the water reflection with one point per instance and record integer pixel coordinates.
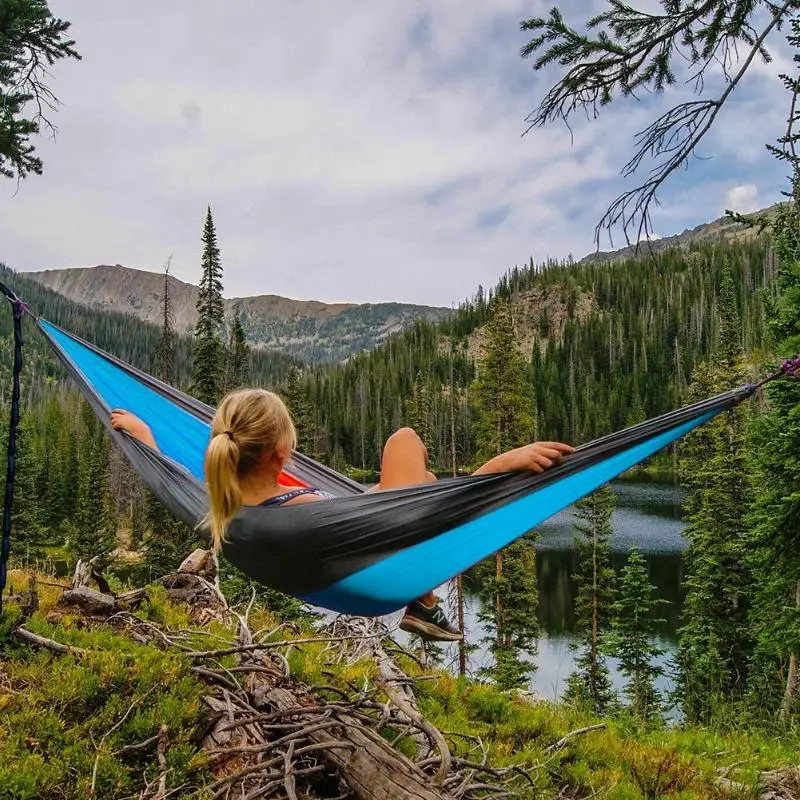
(647, 516)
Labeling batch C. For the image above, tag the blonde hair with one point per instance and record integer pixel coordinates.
(248, 424)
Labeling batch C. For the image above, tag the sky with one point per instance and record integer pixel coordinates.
(350, 151)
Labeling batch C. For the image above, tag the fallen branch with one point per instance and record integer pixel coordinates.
(161, 754)
(249, 648)
(24, 635)
(564, 740)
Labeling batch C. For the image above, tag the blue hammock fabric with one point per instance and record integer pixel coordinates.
(366, 554)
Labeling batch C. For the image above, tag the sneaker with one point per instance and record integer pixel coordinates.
(430, 624)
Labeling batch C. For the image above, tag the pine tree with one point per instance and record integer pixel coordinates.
(775, 519)
(208, 351)
(296, 398)
(237, 373)
(505, 418)
(95, 526)
(715, 641)
(504, 408)
(512, 619)
(631, 637)
(418, 412)
(32, 41)
(28, 534)
(590, 685)
(165, 352)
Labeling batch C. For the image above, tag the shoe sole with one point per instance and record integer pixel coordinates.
(428, 631)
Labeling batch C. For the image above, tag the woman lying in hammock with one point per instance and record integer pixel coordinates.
(252, 437)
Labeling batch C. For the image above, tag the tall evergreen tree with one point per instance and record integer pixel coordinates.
(29, 532)
(95, 526)
(31, 41)
(237, 373)
(208, 350)
(590, 685)
(512, 619)
(295, 395)
(631, 638)
(418, 411)
(505, 413)
(775, 518)
(165, 352)
(715, 641)
(505, 418)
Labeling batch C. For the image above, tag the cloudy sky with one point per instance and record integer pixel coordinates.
(350, 151)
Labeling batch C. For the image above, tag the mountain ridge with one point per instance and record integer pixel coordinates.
(722, 229)
(311, 330)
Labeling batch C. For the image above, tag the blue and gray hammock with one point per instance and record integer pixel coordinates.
(366, 554)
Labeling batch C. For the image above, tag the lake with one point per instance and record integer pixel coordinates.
(649, 516)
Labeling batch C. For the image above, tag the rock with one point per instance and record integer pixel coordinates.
(91, 601)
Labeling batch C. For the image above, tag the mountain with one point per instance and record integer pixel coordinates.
(722, 230)
(306, 329)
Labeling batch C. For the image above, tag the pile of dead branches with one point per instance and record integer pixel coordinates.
(268, 735)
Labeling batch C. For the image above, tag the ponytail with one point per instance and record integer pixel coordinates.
(224, 493)
(248, 424)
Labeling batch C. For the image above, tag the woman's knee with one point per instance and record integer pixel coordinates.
(407, 434)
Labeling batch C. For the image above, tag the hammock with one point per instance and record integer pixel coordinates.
(366, 554)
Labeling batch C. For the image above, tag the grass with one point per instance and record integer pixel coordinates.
(64, 720)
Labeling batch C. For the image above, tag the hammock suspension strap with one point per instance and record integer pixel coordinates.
(18, 308)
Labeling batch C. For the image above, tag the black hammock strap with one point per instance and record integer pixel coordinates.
(18, 308)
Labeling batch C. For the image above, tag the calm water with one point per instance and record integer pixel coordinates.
(648, 516)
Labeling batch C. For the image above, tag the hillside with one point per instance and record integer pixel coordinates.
(128, 337)
(305, 329)
(608, 345)
(147, 696)
(720, 231)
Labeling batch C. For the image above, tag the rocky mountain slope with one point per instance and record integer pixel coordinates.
(720, 230)
(307, 329)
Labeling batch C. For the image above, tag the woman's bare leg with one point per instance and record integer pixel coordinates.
(405, 463)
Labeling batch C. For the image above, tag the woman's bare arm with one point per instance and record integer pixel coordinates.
(122, 420)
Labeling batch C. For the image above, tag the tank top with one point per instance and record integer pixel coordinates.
(280, 499)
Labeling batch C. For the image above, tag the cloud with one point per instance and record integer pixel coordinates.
(743, 198)
(349, 152)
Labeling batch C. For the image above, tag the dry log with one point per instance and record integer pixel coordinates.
(200, 562)
(24, 635)
(371, 767)
(29, 601)
(90, 600)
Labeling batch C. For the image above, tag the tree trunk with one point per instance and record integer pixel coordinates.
(498, 604)
(462, 643)
(372, 769)
(791, 677)
(593, 665)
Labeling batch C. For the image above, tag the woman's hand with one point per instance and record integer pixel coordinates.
(122, 420)
(535, 457)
